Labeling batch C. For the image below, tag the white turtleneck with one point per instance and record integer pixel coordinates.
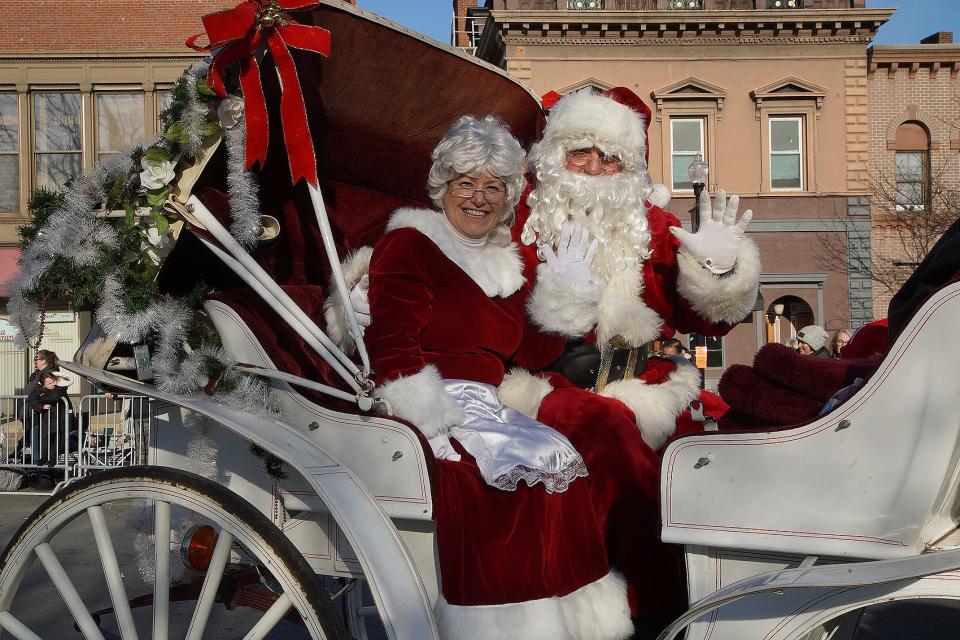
(470, 244)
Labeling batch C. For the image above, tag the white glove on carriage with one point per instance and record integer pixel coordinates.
(574, 255)
(716, 243)
(360, 300)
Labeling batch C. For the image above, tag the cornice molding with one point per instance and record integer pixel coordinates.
(677, 27)
(703, 91)
(86, 57)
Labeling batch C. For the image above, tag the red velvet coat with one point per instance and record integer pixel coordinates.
(438, 313)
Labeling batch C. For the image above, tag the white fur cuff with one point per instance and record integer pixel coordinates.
(523, 391)
(597, 611)
(421, 400)
(355, 266)
(656, 406)
(563, 307)
(729, 298)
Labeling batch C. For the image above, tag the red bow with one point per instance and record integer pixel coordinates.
(239, 32)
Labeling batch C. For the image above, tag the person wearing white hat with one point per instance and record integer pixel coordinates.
(812, 341)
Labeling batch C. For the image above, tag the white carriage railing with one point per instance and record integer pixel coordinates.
(113, 431)
(36, 439)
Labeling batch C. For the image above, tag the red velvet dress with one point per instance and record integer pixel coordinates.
(494, 546)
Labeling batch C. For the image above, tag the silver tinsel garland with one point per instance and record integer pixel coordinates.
(77, 234)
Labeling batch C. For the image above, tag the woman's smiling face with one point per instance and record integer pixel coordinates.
(474, 204)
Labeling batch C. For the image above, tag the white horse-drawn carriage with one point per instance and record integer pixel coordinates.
(786, 532)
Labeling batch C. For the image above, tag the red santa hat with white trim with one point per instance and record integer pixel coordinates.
(614, 120)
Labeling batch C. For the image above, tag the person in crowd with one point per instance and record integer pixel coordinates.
(48, 417)
(44, 360)
(839, 340)
(673, 347)
(519, 547)
(812, 341)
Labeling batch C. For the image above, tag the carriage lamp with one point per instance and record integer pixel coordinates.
(197, 547)
(697, 171)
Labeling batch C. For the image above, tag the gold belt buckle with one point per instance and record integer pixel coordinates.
(619, 360)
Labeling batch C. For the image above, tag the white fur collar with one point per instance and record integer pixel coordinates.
(498, 270)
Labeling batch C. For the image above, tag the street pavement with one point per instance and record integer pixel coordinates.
(39, 606)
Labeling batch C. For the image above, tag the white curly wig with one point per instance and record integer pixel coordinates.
(472, 146)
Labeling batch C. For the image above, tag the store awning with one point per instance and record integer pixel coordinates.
(8, 268)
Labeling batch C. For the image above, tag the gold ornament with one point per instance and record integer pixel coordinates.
(270, 16)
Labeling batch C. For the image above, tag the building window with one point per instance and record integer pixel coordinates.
(57, 134)
(786, 153)
(911, 187)
(686, 141)
(119, 122)
(714, 345)
(9, 153)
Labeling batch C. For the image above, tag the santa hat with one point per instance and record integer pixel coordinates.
(813, 335)
(616, 120)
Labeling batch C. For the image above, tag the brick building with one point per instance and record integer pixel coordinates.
(78, 80)
(914, 153)
(773, 94)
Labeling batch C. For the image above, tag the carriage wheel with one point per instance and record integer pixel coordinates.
(287, 588)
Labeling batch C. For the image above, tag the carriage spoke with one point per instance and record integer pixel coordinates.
(161, 583)
(68, 592)
(111, 570)
(211, 584)
(270, 618)
(16, 628)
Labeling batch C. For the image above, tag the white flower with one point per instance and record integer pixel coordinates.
(157, 245)
(156, 174)
(230, 111)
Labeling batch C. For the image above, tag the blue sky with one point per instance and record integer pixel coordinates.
(915, 19)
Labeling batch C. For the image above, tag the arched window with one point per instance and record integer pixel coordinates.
(912, 166)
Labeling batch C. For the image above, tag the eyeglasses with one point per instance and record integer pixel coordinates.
(494, 194)
(583, 157)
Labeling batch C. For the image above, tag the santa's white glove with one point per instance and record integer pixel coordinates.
(360, 301)
(574, 255)
(716, 243)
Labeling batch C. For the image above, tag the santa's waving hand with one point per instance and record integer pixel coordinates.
(716, 243)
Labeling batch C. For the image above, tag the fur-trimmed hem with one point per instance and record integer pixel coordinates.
(656, 406)
(563, 307)
(628, 317)
(421, 400)
(354, 266)
(597, 611)
(497, 269)
(729, 298)
(523, 391)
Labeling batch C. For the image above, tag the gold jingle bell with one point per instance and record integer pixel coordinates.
(270, 15)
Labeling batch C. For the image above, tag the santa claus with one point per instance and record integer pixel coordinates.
(646, 278)
(618, 271)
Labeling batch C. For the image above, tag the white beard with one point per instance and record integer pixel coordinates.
(611, 207)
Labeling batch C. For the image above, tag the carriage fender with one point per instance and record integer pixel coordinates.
(853, 574)
(400, 595)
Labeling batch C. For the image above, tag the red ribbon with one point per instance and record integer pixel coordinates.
(237, 33)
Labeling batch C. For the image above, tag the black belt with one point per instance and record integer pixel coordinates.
(619, 360)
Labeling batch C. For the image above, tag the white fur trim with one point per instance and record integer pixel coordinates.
(497, 269)
(729, 298)
(660, 197)
(421, 400)
(656, 406)
(561, 306)
(597, 611)
(354, 266)
(613, 127)
(623, 311)
(523, 391)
